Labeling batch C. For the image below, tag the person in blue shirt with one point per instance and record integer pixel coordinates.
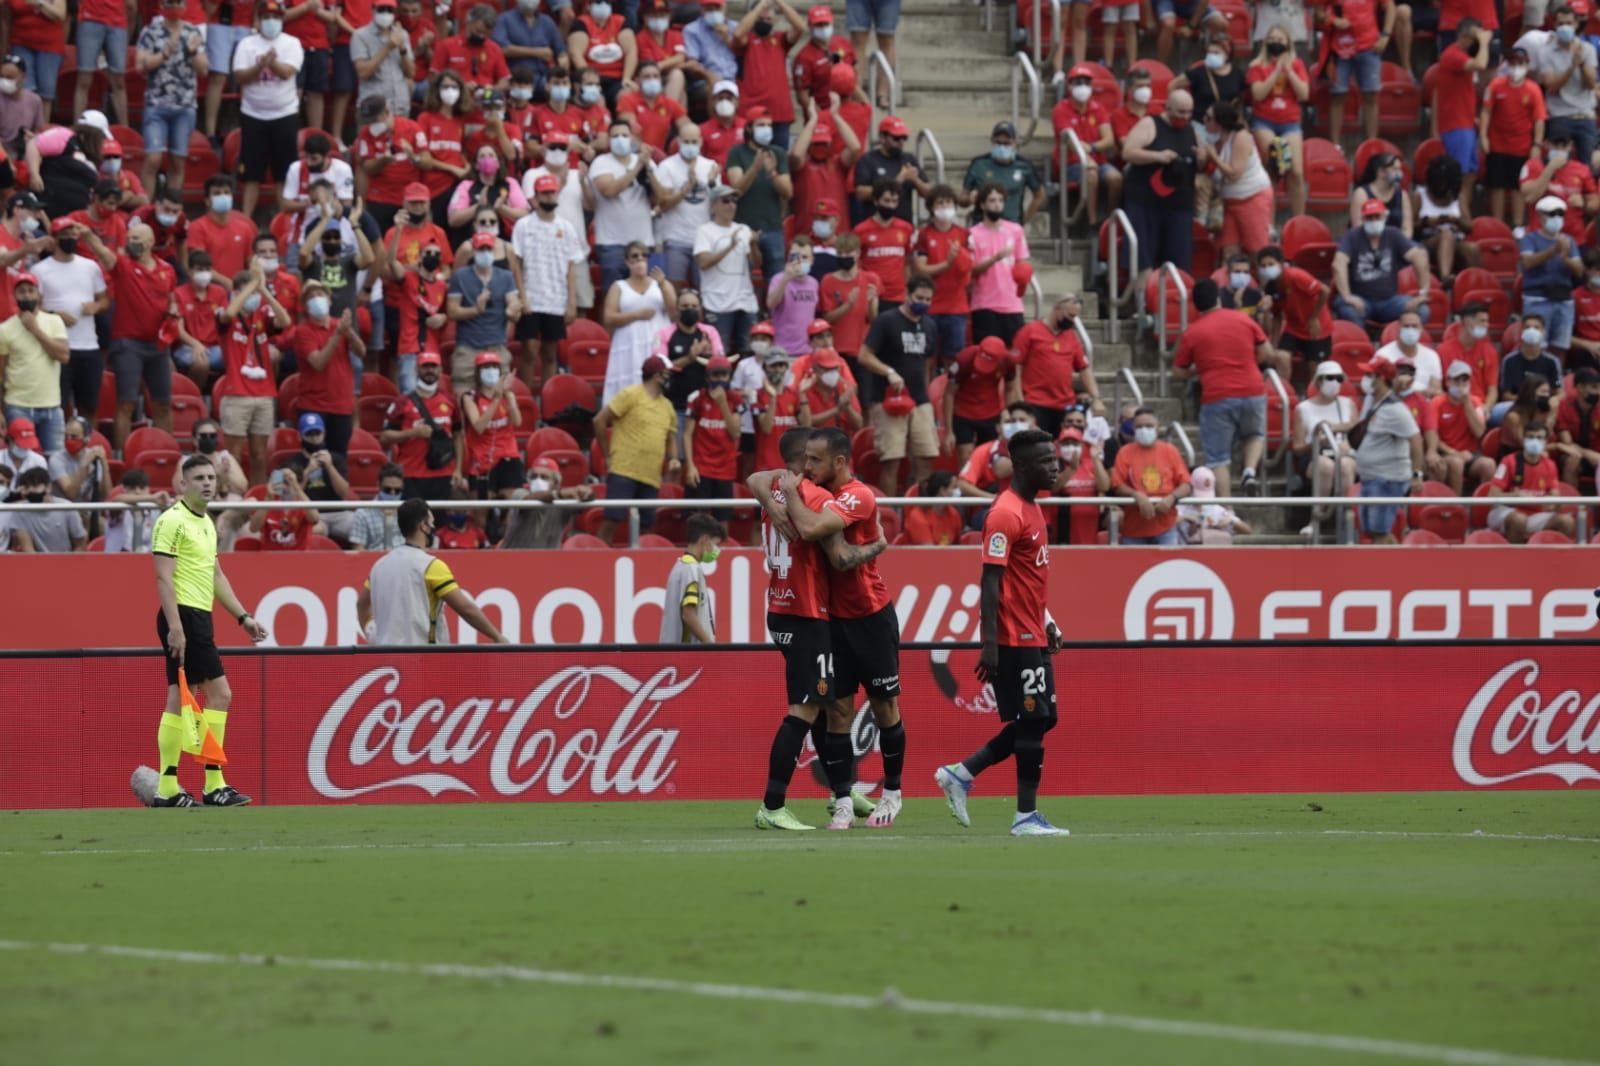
(1366, 270)
(1550, 267)
(708, 40)
(531, 41)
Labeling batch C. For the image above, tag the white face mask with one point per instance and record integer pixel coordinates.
(1375, 227)
(945, 214)
(269, 264)
(555, 157)
(1410, 335)
(1479, 332)
(427, 388)
(1011, 429)
(201, 279)
(760, 346)
(1458, 392)
(1145, 435)
(270, 28)
(830, 378)
(383, 19)
(1081, 93)
(657, 26)
(1553, 224)
(822, 34)
(1238, 280)
(1071, 453)
(690, 152)
(1271, 273)
(725, 108)
(1533, 447)
(8, 86)
(539, 484)
(621, 147)
(714, 18)
(449, 95)
(377, 129)
(822, 228)
(650, 86)
(1329, 389)
(1532, 336)
(762, 135)
(490, 376)
(1518, 72)
(1141, 95)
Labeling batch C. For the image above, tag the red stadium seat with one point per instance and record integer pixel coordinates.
(549, 439)
(588, 360)
(572, 463)
(378, 385)
(160, 464)
(1238, 16)
(1348, 331)
(569, 402)
(1327, 176)
(1350, 355)
(149, 438)
(972, 536)
(1423, 537)
(1105, 88)
(289, 397)
(582, 329)
(364, 465)
(889, 519)
(1549, 536)
(583, 541)
(655, 540)
(528, 407)
(1427, 151)
(1309, 245)
(203, 163)
(319, 543)
(1399, 102)
(372, 412)
(597, 459)
(1486, 538)
(869, 466)
(1204, 259)
(1447, 520)
(186, 411)
(247, 542)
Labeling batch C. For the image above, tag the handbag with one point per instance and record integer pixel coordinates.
(441, 446)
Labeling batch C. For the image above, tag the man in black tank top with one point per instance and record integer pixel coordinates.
(1163, 156)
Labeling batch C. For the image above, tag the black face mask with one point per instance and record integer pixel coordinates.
(331, 249)
(430, 261)
(27, 305)
(547, 205)
(475, 40)
(1471, 48)
(67, 245)
(690, 317)
(846, 262)
(885, 212)
(417, 217)
(1276, 48)
(763, 27)
(35, 497)
(994, 216)
(309, 448)
(205, 443)
(1543, 403)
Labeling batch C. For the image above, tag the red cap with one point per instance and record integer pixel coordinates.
(654, 365)
(991, 355)
(712, 3)
(1071, 433)
(430, 358)
(1374, 208)
(763, 329)
(23, 279)
(822, 135)
(894, 126)
(546, 183)
(1379, 367)
(486, 359)
(483, 240)
(379, 5)
(819, 325)
(897, 402)
(1022, 273)
(557, 139)
(110, 148)
(826, 358)
(718, 362)
(271, 7)
(820, 15)
(1082, 70)
(416, 191)
(21, 432)
(842, 79)
(758, 114)
(825, 207)
(62, 224)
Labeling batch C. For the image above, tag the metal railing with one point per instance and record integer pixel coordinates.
(1071, 145)
(1286, 436)
(1083, 338)
(926, 137)
(1038, 37)
(1022, 67)
(1134, 391)
(877, 63)
(1325, 432)
(1036, 293)
(1175, 431)
(1120, 218)
(1168, 270)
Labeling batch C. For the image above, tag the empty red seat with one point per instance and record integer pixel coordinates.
(1549, 536)
(1327, 176)
(148, 438)
(1399, 101)
(1423, 537)
(1309, 245)
(583, 541)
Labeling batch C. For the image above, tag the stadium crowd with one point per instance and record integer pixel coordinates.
(571, 249)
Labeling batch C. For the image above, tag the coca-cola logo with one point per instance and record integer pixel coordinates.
(583, 725)
(1525, 733)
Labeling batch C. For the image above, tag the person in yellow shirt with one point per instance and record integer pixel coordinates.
(637, 430)
(189, 579)
(33, 348)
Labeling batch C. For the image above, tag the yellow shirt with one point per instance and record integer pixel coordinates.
(192, 540)
(33, 379)
(640, 430)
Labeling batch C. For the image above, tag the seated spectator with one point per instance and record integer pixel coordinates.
(934, 525)
(231, 480)
(49, 531)
(1366, 271)
(1184, 19)
(1242, 183)
(1135, 105)
(1550, 267)
(1511, 121)
(81, 470)
(1389, 457)
(127, 182)
(374, 528)
(1585, 350)
(1533, 402)
(1153, 473)
(1528, 472)
(122, 532)
(411, 426)
(1383, 181)
(1357, 46)
(1299, 315)
(1203, 522)
(1440, 220)
(974, 396)
(530, 41)
(987, 471)
(33, 349)
(1472, 345)
(1279, 87)
(1565, 174)
(1314, 459)
(1238, 288)
(1082, 114)
(708, 40)
(322, 476)
(1458, 414)
(460, 531)
(829, 394)
(1013, 175)
(1408, 345)
(23, 452)
(1083, 473)
(1578, 429)
(1531, 356)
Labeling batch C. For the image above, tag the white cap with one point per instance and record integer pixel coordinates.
(725, 86)
(96, 119)
(1546, 203)
(1458, 369)
(1328, 368)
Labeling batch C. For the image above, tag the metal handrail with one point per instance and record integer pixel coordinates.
(875, 63)
(1175, 429)
(1083, 338)
(1120, 218)
(1275, 383)
(1165, 271)
(1036, 292)
(1022, 66)
(1324, 430)
(925, 136)
(1055, 29)
(988, 16)
(1125, 375)
(1071, 145)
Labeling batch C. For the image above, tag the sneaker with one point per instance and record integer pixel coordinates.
(1034, 825)
(844, 815)
(861, 799)
(181, 799)
(226, 796)
(1308, 530)
(1250, 485)
(955, 792)
(883, 815)
(779, 819)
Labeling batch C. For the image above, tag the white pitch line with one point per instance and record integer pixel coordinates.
(889, 1001)
(773, 843)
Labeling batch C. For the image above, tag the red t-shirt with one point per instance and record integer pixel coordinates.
(797, 572)
(105, 12)
(1279, 105)
(332, 389)
(445, 139)
(815, 181)
(715, 453)
(142, 297)
(468, 538)
(1513, 109)
(824, 403)
(979, 397)
(412, 453)
(244, 344)
(656, 123)
(571, 120)
(285, 531)
(602, 37)
(1083, 521)
(356, 12)
(717, 140)
(764, 76)
(1422, 410)
(167, 239)
(933, 525)
(980, 468)
(1451, 12)
(1571, 180)
(1362, 32)
(1014, 537)
(311, 30)
(1155, 471)
(1297, 294)
(388, 185)
(228, 242)
(199, 311)
(497, 441)
(785, 416)
(1586, 313)
(131, 187)
(883, 252)
(419, 299)
(1457, 90)
(813, 65)
(949, 288)
(1538, 479)
(850, 329)
(652, 50)
(112, 229)
(1085, 122)
(860, 592)
(407, 242)
(1450, 418)
(483, 65)
(285, 288)
(1221, 346)
(1122, 122)
(1049, 361)
(1483, 357)
(32, 30)
(1585, 428)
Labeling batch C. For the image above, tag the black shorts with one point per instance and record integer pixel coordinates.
(1049, 418)
(1026, 685)
(1313, 351)
(866, 654)
(747, 444)
(268, 147)
(538, 326)
(1503, 171)
(429, 488)
(316, 69)
(506, 474)
(807, 647)
(201, 663)
(974, 431)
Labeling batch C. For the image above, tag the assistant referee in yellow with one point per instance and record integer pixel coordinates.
(188, 578)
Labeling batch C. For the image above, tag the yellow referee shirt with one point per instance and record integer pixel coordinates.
(191, 539)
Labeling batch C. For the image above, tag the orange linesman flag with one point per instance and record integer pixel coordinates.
(197, 740)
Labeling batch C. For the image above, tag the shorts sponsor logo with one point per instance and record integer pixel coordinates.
(1178, 600)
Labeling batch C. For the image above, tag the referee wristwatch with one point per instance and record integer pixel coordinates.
(242, 616)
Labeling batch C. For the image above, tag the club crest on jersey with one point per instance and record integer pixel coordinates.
(997, 545)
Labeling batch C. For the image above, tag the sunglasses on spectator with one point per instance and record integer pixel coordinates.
(638, 258)
(1332, 377)
(488, 223)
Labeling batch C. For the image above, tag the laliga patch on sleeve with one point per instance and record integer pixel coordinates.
(998, 545)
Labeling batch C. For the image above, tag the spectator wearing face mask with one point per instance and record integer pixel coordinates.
(1204, 521)
(327, 350)
(530, 41)
(792, 298)
(886, 241)
(1237, 287)
(939, 251)
(622, 203)
(265, 65)
(49, 531)
(1565, 64)
(1561, 175)
(553, 253)
(334, 255)
(1458, 416)
(638, 435)
(1226, 350)
(250, 368)
(708, 40)
(33, 350)
(482, 300)
(384, 60)
(822, 160)
(829, 395)
(1533, 402)
(1530, 357)
(167, 222)
(232, 483)
(1279, 87)
(200, 302)
(1511, 122)
(759, 173)
(1577, 441)
(1314, 459)
(411, 425)
(1418, 403)
(23, 451)
(687, 179)
(1082, 114)
(776, 408)
(889, 162)
(1163, 156)
(1051, 356)
(1429, 377)
(81, 470)
(997, 245)
(896, 352)
(1153, 473)
(1083, 473)
(1472, 345)
(1135, 106)
(122, 533)
(711, 432)
(690, 614)
(764, 60)
(286, 530)
(1528, 472)
(1002, 167)
(375, 528)
(987, 471)
(1550, 269)
(975, 395)
(847, 298)
(388, 151)
(725, 128)
(1389, 457)
(1366, 271)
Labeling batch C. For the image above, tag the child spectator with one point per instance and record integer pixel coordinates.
(940, 252)
(1511, 123)
(847, 299)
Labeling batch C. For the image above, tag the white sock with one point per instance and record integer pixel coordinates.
(961, 772)
(891, 793)
(1249, 471)
(1021, 817)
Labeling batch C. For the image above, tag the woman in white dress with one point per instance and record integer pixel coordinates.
(1327, 403)
(637, 308)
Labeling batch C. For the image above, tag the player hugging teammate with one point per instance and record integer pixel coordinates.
(830, 614)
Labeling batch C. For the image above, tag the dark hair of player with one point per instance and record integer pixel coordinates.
(410, 516)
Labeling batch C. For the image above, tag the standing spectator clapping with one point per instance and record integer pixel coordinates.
(553, 253)
(171, 54)
(723, 250)
(482, 300)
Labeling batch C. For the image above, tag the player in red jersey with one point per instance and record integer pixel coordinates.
(1019, 637)
(866, 632)
(797, 617)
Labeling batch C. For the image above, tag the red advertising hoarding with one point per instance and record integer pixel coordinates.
(591, 597)
(625, 724)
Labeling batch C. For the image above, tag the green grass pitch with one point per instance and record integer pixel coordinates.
(1359, 929)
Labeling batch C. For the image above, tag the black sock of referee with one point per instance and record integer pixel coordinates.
(999, 748)
(1030, 768)
(892, 743)
(838, 762)
(780, 763)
